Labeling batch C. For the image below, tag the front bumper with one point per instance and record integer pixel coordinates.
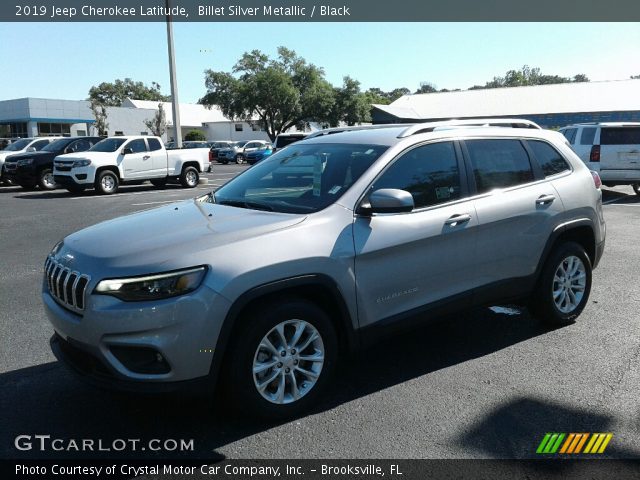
(182, 331)
(21, 174)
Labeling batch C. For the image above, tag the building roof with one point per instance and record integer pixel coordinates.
(620, 95)
(191, 115)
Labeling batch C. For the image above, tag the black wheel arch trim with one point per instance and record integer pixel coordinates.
(255, 293)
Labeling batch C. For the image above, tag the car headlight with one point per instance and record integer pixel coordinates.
(81, 163)
(25, 161)
(153, 287)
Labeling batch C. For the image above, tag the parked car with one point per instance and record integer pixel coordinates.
(256, 155)
(285, 139)
(33, 169)
(610, 148)
(22, 145)
(127, 159)
(387, 228)
(232, 153)
(216, 147)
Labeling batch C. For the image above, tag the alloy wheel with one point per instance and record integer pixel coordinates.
(569, 284)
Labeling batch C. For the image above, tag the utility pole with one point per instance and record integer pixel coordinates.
(174, 81)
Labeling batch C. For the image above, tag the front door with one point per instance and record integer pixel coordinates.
(138, 163)
(409, 260)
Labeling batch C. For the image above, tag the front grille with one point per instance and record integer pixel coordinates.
(68, 287)
(62, 166)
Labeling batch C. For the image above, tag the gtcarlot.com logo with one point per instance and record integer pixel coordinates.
(574, 443)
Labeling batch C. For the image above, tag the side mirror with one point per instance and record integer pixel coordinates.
(31, 149)
(127, 151)
(387, 200)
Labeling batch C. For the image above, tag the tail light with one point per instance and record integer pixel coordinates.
(595, 154)
(210, 156)
(596, 179)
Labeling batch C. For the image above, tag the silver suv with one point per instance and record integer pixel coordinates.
(265, 282)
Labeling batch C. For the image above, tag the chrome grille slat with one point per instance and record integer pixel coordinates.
(68, 287)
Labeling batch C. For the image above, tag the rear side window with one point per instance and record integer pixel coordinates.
(499, 164)
(587, 135)
(430, 173)
(570, 134)
(551, 162)
(80, 146)
(620, 136)
(154, 144)
(137, 146)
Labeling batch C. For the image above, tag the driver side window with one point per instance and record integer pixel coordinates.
(138, 145)
(429, 173)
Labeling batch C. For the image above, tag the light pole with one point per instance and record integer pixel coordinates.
(174, 81)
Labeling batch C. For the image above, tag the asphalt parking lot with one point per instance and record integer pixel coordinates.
(486, 384)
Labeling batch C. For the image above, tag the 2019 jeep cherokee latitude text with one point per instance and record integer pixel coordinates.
(269, 278)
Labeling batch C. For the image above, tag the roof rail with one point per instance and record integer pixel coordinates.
(332, 131)
(475, 122)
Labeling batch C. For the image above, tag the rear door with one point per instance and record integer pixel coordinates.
(620, 150)
(516, 207)
(158, 158)
(408, 260)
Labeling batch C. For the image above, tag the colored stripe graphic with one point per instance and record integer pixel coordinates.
(597, 443)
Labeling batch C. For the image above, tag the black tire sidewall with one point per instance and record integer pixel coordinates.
(98, 184)
(41, 179)
(183, 177)
(542, 303)
(241, 388)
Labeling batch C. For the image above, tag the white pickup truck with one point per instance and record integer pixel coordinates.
(130, 159)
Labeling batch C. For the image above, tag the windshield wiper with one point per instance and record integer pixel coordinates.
(246, 204)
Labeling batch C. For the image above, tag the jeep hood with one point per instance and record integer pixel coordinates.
(169, 235)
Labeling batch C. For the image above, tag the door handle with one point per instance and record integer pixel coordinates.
(146, 157)
(545, 200)
(455, 220)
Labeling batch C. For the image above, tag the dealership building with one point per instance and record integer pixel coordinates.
(551, 106)
(31, 117)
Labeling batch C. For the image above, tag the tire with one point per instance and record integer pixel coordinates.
(636, 188)
(189, 177)
(249, 350)
(46, 180)
(107, 182)
(75, 189)
(239, 159)
(555, 304)
(159, 182)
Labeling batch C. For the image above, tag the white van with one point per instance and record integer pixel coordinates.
(610, 148)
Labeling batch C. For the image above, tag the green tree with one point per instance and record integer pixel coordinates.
(158, 124)
(282, 93)
(100, 114)
(194, 135)
(426, 87)
(396, 93)
(112, 94)
(351, 106)
(529, 76)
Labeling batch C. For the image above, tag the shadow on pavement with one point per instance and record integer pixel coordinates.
(47, 399)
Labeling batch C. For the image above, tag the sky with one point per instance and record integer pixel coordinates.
(63, 60)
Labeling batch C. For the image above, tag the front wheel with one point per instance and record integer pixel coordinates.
(282, 359)
(239, 159)
(107, 182)
(46, 180)
(636, 188)
(564, 286)
(189, 177)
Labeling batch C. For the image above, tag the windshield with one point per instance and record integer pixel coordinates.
(299, 179)
(57, 145)
(19, 145)
(108, 145)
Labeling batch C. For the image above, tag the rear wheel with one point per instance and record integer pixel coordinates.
(636, 188)
(107, 182)
(282, 359)
(189, 177)
(239, 159)
(564, 285)
(46, 180)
